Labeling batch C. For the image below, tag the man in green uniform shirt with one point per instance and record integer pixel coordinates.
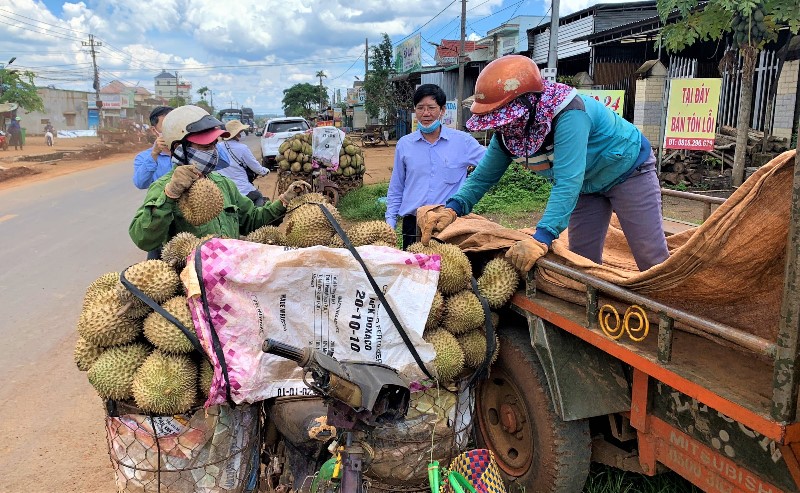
(191, 134)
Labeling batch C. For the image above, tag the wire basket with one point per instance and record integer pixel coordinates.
(437, 427)
(210, 450)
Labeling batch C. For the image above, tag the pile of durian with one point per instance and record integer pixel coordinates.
(131, 352)
(294, 155)
(456, 322)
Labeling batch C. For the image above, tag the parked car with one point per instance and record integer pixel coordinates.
(275, 132)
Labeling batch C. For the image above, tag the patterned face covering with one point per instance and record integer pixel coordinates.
(204, 161)
(510, 120)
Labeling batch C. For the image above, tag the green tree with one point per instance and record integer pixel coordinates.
(379, 101)
(302, 99)
(177, 101)
(16, 86)
(203, 104)
(749, 24)
(320, 74)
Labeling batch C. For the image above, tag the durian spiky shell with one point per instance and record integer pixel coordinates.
(154, 277)
(202, 202)
(165, 384)
(107, 282)
(456, 269)
(306, 198)
(267, 235)
(498, 282)
(473, 343)
(307, 226)
(437, 311)
(449, 361)
(86, 354)
(101, 325)
(178, 248)
(462, 312)
(112, 374)
(369, 232)
(206, 376)
(163, 334)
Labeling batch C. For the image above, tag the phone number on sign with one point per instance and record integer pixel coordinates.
(676, 143)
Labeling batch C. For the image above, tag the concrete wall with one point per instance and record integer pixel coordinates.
(66, 110)
(785, 100)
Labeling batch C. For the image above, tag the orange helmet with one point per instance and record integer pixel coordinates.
(503, 80)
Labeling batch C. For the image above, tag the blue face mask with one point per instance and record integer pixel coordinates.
(430, 128)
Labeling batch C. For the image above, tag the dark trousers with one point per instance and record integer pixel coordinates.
(409, 230)
(154, 254)
(257, 198)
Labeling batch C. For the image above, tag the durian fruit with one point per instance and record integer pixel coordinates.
(336, 242)
(267, 235)
(112, 374)
(107, 282)
(154, 277)
(463, 312)
(473, 343)
(312, 197)
(178, 248)
(456, 269)
(449, 361)
(385, 243)
(86, 354)
(498, 282)
(165, 384)
(369, 232)
(206, 376)
(437, 310)
(101, 323)
(307, 226)
(201, 203)
(163, 334)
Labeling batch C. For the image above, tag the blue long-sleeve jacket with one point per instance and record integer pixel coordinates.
(146, 170)
(593, 150)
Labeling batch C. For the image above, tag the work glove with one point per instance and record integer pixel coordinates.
(182, 179)
(523, 254)
(432, 219)
(296, 189)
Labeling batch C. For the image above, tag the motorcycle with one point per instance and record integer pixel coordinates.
(48, 139)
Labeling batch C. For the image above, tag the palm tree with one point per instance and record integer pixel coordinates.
(202, 92)
(320, 74)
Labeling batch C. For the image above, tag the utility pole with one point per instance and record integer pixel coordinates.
(460, 87)
(552, 53)
(96, 85)
(366, 58)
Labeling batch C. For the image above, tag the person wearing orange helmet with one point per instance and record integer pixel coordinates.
(597, 162)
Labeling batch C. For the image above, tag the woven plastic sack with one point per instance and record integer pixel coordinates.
(480, 469)
(318, 297)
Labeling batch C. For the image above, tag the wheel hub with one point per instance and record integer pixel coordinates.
(505, 423)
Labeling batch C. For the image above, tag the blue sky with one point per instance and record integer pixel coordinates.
(246, 51)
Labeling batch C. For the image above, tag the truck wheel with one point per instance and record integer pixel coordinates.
(536, 450)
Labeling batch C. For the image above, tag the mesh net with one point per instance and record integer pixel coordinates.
(437, 427)
(209, 450)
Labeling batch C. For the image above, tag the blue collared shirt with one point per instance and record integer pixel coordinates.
(146, 170)
(426, 173)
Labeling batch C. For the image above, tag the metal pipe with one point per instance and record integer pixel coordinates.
(730, 334)
(692, 196)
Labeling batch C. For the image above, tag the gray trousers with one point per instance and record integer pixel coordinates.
(637, 202)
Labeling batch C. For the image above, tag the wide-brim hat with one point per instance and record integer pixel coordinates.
(235, 127)
(207, 136)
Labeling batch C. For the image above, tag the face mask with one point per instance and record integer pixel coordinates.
(430, 128)
(204, 161)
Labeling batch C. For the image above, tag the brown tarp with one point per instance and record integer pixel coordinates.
(729, 269)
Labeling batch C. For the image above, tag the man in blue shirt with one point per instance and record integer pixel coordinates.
(430, 164)
(240, 158)
(152, 164)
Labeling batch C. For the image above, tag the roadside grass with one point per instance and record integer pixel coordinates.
(515, 201)
(607, 479)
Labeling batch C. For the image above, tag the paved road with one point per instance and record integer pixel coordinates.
(57, 236)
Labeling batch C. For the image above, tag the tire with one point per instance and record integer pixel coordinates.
(542, 453)
(332, 195)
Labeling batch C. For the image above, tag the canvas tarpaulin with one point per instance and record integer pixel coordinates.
(730, 269)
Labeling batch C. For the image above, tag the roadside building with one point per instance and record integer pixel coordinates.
(168, 86)
(64, 109)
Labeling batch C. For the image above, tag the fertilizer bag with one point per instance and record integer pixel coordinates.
(326, 143)
(318, 297)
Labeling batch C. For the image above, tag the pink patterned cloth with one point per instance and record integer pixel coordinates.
(510, 119)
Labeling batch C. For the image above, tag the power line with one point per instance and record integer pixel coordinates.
(358, 59)
(45, 23)
(52, 35)
(429, 21)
